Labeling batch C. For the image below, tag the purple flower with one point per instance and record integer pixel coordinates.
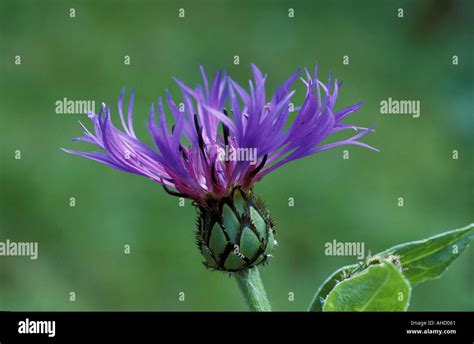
(192, 158)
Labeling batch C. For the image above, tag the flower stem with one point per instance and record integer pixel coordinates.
(251, 286)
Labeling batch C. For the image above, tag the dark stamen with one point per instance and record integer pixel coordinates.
(259, 167)
(213, 173)
(225, 130)
(167, 179)
(174, 193)
(199, 133)
(183, 153)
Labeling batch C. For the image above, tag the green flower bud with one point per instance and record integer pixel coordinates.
(235, 232)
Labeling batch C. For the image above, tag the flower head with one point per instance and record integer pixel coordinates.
(235, 231)
(192, 158)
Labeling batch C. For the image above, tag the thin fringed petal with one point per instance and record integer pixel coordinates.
(315, 120)
(340, 115)
(130, 115)
(99, 157)
(192, 158)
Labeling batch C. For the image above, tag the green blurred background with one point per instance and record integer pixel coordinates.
(81, 247)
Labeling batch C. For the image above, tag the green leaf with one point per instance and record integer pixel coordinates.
(249, 243)
(381, 287)
(421, 260)
(429, 259)
(217, 242)
(328, 285)
(231, 223)
(259, 223)
(233, 262)
(239, 202)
